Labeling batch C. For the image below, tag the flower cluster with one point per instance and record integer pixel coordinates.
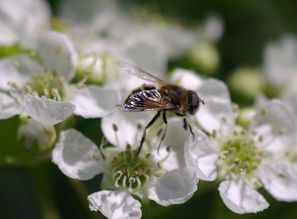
(74, 74)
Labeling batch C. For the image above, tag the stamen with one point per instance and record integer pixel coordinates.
(257, 184)
(13, 85)
(16, 63)
(159, 173)
(96, 157)
(214, 133)
(235, 108)
(58, 50)
(264, 111)
(224, 119)
(282, 130)
(261, 138)
(282, 175)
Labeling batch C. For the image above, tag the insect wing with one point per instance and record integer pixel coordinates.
(131, 69)
(145, 100)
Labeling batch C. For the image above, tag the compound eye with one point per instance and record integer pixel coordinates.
(194, 102)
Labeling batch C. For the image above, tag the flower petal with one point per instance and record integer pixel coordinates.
(58, 54)
(95, 101)
(76, 156)
(8, 106)
(23, 20)
(200, 155)
(47, 111)
(147, 52)
(186, 78)
(175, 187)
(176, 137)
(17, 69)
(115, 204)
(276, 124)
(280, 179)
(126, 124)
(217, 112)
(241, 198)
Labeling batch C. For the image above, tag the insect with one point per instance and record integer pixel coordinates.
(163, 97)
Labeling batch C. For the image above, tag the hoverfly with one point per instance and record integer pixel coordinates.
(163, 97)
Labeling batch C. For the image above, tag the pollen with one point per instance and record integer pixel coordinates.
(131, 171)
(239, 156)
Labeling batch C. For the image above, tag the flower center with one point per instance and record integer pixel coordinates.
(131, 171)
(50, 85)
(239, 156)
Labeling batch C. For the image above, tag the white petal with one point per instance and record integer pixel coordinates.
(8, 106)
(47, 111)
(175, 138)
(147, 52)
(115, 204)
(95, 101)
(217, 106)
(58, 54)
(126, 123)
(17, 69)
(280, 179)
(275, 123)
(22, 20)
(76, 156)
(241, 198)
(186, 78)
(200, 155)
(175, 187)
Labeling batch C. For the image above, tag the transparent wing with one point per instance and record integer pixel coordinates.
(131, 69)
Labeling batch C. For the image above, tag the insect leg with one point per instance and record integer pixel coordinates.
(165, 129)
(190, 127)
(185, 124)
(144, 131)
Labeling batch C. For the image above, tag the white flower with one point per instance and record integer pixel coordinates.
(23, 80)
(243, 159)
(126, 173)
(104, 27)
(280, 65)
(23, 21)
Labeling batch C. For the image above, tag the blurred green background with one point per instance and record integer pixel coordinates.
(42, 191)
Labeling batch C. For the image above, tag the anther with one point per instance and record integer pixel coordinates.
(224, 119)
(282, 130)
(222, 157)
(160, 164)
(235, 133)
(281, 175)
(139, 126)
(132, 179)
(58, 50)
(28, 88)
(264, 111)
(115, 127)
(261, 138)
(169, 148)
(16, 63)
(45, 92)
(235, 108)
(214, 133)
(159, 132)
(232, 150)
(258, 184)
(159, 173)
(96, 157)
(254, 132)
(13, 85)
(237, 161)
